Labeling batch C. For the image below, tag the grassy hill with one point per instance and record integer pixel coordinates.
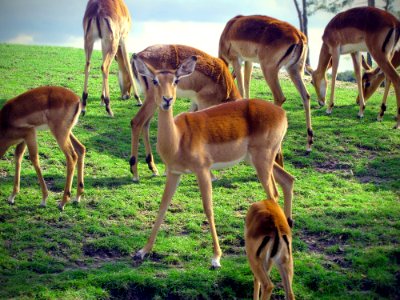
(346, 203)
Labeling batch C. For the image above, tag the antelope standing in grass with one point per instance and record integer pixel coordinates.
(54, 108)
(373, 78)
(216, 137)
(268, 240)
(358, 29)
(273, 44)
(108, 20)
(211, 83)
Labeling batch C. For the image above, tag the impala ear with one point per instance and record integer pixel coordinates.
(187, 67)
(365, 64)
(308, 70)
(142, 68)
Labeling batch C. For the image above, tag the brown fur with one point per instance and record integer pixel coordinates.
(210, 84)
(113, 23)
(54, 107)
(215, 137)
(377, 29)
(268, 240)
(274, 44)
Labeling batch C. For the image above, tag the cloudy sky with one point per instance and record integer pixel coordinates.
(197, 23)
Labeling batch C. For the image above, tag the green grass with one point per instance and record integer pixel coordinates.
(346, 203)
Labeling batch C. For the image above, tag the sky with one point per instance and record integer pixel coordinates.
(197, 23)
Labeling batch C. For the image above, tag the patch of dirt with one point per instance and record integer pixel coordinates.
(334, 166)
(91, 250)
(319, 242)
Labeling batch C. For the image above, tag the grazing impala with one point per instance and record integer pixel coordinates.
(215, 137)
(373, 78)
(108, 20)
(55, 108)
(268, 240)
(358, 29)
(211, 83)
(272, 43)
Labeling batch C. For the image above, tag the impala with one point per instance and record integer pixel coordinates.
(211, 83)
(358, 29)
(55, 108)
(108, 20)
(373, 78)
(273, 44)
(215, 137)
(268, 240)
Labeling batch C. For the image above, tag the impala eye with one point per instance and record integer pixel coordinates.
(176, 81)
(155, 81)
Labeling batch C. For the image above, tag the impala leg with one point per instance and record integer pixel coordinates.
(295, 73)
(271, 77)
(285, 266)
(128, 67)
(356, 57)
(248, 69)
(147, 144)
(80, 150)
(264, 166)
(19, 153)
(64, 141)
(335, 65)
(34, 157)
(384, 99)
(109, 49)
(88, 45)
(204, 180)
(170, 188)
(286, 181)
(237, 68)
(144, 115)
(392, 75)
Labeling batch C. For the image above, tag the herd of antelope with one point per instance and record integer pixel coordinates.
(222, 128)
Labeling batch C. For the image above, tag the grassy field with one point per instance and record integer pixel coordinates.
(346, 203)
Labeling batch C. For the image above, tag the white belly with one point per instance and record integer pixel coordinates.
(227, 164)
(350, 48)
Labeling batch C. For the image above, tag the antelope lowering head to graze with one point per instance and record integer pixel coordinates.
(216, 137)
(272, 43)
(358, 29)
(211, 83)
(108, 20)
(55, 108)
(373, 78)
(268, 239)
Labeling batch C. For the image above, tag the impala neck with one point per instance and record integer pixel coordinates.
(323, 61)
(167, 136)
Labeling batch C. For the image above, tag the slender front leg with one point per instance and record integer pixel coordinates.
(237, 68)
(204, 181)
(384, 99)
(248, 69)
(169, 191)
(34, 157)
(144, 115)
(356, 57)
(19, 153)
(335, 65)
(80, 150)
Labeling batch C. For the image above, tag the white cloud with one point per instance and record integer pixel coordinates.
(21, 39)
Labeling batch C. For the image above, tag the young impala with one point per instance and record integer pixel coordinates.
(268, 240)
(373, 78)
(108, 20)
(272, 43)
(358, 29)
(215, 137)
(54, 108)
(211, 83)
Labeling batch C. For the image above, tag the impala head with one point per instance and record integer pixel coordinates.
(319, 82)
(165, 81)
(370, 80)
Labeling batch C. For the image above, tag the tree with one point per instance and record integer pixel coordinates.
(309, 7)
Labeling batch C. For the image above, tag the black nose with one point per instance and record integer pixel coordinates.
(167, 100)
